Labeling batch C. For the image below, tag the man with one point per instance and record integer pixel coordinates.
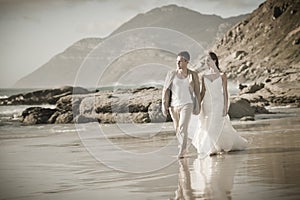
(181, 98)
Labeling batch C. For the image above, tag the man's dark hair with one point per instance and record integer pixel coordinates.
(184, 54)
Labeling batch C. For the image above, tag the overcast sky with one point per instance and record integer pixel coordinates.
(33, 31)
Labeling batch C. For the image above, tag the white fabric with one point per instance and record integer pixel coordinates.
(212, 131)
(180, 92)
(181, 116)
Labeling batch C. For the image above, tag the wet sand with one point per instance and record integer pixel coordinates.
(51, 162)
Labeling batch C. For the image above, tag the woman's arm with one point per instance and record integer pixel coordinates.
(225, 92)
(202, 93)
(197, 90)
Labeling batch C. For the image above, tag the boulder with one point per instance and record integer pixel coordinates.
(253, 88)
(64, 118)
(239, 108)
(239, 55)
(37, 115)
(155, 113)
(85, 119)
(123, 106)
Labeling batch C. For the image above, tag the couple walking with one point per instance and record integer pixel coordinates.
(182, 98)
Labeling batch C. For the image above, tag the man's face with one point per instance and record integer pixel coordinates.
(181, 62)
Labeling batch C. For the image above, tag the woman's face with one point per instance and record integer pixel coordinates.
(210, 63)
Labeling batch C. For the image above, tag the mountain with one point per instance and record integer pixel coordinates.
(264, 49)
(265, 42)
(63, 68)
(200, 27)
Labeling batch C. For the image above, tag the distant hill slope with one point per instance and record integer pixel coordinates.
(202, 28)
(62, 68)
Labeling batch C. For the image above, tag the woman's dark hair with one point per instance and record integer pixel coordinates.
(214, 57)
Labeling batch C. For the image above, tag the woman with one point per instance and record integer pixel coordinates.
(216, 133)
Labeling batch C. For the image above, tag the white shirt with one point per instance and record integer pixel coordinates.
(180, 92)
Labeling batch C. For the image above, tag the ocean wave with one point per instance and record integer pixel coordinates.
(3, 97)
(18, 109)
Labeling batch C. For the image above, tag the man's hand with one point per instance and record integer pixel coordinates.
(165, 112)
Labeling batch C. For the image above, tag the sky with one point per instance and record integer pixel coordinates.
(34, 31)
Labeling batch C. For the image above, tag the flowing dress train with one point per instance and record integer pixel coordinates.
(213, 132)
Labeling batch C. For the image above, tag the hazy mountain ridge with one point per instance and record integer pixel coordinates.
(62, 69)
(199, 26)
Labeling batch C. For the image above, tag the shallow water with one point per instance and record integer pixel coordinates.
(51, 162)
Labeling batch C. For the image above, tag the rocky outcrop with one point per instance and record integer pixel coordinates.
(37, 115)
(124, 106)
(47, 96)
(262, 51)
(141, 105)
(270, 93)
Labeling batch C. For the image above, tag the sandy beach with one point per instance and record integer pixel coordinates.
(54, 162)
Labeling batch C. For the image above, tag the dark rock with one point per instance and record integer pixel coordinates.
(268, 80)
(277, 11)
(141, 117)
(241, 86)
(253, 88)
(296, 41)
(53, 117)
(240, 108)
(240, 54)
(242, 68)
(293, 12)
(64, 118)
(37, 115)
(260, 109)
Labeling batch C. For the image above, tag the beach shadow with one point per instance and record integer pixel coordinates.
(266, 150)
(207, 178)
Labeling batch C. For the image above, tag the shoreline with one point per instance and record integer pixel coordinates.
(51, 162)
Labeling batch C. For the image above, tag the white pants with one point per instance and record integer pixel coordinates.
(181, 116)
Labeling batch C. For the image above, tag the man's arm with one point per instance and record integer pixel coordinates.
(225, 92)
(202, 93)
(165, 96)
(197, 90)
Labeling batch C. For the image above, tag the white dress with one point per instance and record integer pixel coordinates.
(213, 132)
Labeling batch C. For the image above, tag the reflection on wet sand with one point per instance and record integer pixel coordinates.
(50, 162)
(209, 177)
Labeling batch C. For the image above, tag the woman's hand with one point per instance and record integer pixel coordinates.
(225, 112)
